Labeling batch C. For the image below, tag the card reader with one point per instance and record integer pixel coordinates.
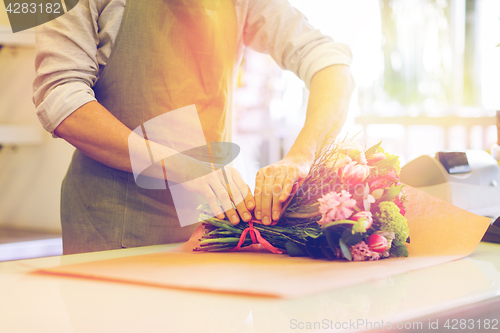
(469, 180)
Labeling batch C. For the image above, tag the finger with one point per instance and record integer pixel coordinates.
(288, 183)
(243, 211)
(222, 194)
(245, 191)
(277, 189)
(223, 177)
(259, 181)
(234, 192)
(211, 198)
(267, 194)
(239, 202)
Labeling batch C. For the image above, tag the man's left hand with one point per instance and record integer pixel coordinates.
(273, 186)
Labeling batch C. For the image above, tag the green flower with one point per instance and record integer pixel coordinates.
(390, 219)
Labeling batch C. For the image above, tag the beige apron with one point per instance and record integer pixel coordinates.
(168, 54)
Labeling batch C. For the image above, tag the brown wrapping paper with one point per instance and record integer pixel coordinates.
(439, 232)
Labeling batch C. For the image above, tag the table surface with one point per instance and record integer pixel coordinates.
(40, 303)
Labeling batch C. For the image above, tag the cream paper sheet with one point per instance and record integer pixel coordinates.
(439, 233)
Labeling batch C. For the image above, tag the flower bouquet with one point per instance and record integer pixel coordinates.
(351, 205)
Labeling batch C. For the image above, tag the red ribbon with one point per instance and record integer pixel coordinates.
(256, 238)
(255, 234)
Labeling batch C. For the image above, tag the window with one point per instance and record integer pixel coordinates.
(427, 72)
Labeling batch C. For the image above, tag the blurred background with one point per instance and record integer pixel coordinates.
(427, 74)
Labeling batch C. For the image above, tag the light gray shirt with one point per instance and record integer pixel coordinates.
(73, 49)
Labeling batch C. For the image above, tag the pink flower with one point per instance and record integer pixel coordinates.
(353, 173)
(378, 183)
(376, 157)
(377, 243)
(363, 215)
(334, 207)
(400, 205)
(382, 182)
(361, 252)
(392, 175)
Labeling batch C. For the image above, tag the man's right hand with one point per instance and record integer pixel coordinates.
(214, 189)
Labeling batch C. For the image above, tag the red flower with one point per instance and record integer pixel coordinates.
(377, 243)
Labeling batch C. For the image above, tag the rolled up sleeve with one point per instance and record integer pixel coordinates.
(277, 28)
(66, 64)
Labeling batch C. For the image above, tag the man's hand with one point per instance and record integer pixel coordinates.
(215, 188)
(273, 186)
(329, 98)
